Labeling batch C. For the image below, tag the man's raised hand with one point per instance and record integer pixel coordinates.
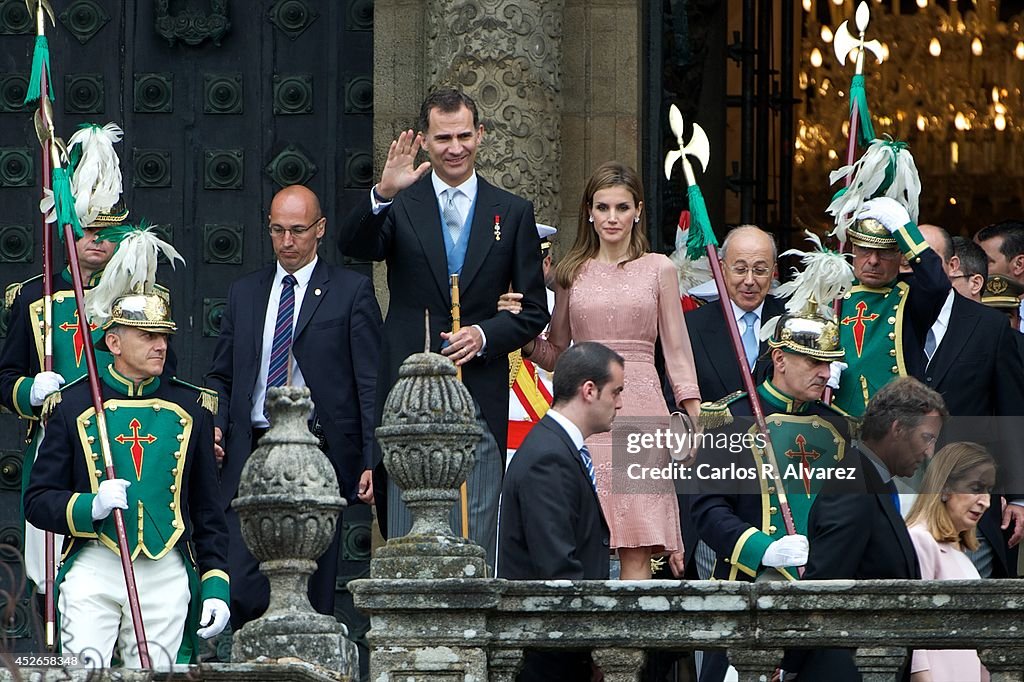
(399, 170)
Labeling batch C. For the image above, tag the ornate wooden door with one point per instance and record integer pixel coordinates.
(222, 103)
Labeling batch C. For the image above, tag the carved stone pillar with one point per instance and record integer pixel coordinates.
(755, 665)
(428, 435)
(881, 664)
(620, 665)
(507, 55)
(288, 505)
(1004, 664)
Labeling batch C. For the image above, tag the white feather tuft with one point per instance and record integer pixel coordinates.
(826, 276)
(868, 174)
(96, 184)
(691, 273)
(132, 268)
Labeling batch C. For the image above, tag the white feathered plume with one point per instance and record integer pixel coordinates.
(869, 173)
(96, 183)
(691, 272)
(132, 268)
(826, 276)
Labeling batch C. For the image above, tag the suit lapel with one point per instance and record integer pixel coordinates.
(481, 236)
(570, 448)
(962, 320)
(263, 294)
(711, 337)
(423, 215)
(315, 292)
(899, 526)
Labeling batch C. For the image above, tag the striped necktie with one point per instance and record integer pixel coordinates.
(280, 351)
(588, 464)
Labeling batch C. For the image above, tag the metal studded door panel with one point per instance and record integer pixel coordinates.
(222, 103)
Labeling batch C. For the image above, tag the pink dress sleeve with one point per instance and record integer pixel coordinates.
(675, 341)
(551, 344)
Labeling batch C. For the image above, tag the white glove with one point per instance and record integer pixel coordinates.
(791, 550)
(889, 212)
(835, 368)
(43, 385)
(216, 613)
(110, 496)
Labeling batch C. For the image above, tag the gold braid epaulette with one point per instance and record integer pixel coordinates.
(11, 293)
(208, 397)
(515, 361)
(715, 415)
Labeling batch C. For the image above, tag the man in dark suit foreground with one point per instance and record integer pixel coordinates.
(855, 529)
(300, 322)
(551, 525)
(429, 226)
(971, 359)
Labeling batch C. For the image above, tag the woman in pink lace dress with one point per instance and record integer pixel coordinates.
(611, 290)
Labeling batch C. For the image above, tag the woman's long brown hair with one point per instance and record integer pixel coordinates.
(587, 244)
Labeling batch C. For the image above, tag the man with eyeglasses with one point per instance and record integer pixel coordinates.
(884, 320)
(298, 322)
(748, 257)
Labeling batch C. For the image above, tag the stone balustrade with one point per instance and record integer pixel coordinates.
(437, 617)
(475, 629)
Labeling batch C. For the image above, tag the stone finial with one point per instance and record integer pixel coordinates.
(288, 505)
(429, 435)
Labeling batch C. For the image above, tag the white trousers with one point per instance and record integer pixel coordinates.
(94, 612)
(35, 555)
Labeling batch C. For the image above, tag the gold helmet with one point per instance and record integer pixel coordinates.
(808, 333)
(871, 234)
(809, 328)
(151, 312)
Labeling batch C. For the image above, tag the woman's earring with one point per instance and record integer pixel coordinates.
(945, 498)
(636, 219)
(590, 219)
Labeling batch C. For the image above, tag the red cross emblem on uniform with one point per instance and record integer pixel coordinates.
(806, 457)
(77, 339)
(858, 324)
(136, 440)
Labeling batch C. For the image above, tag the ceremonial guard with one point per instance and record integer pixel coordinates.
(740, 518)
(159, 436)
(883, 320)
(749, 480)
(24, 384)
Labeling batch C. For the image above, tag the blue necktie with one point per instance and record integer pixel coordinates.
(280, 350)
(894, 494)
(750, 342)
(588, 464)
(452, 219)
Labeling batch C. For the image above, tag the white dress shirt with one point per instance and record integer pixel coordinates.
(259, 394)
(741, 326)
(938, 329)
(570, 428)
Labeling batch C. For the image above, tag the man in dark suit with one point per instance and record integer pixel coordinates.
(552, 527)
(300, 322)
(970, 358)
(428, 226)
(748, 257)
(855, 529)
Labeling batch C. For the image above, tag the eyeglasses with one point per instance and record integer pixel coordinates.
(742, 270)
(278, 231)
